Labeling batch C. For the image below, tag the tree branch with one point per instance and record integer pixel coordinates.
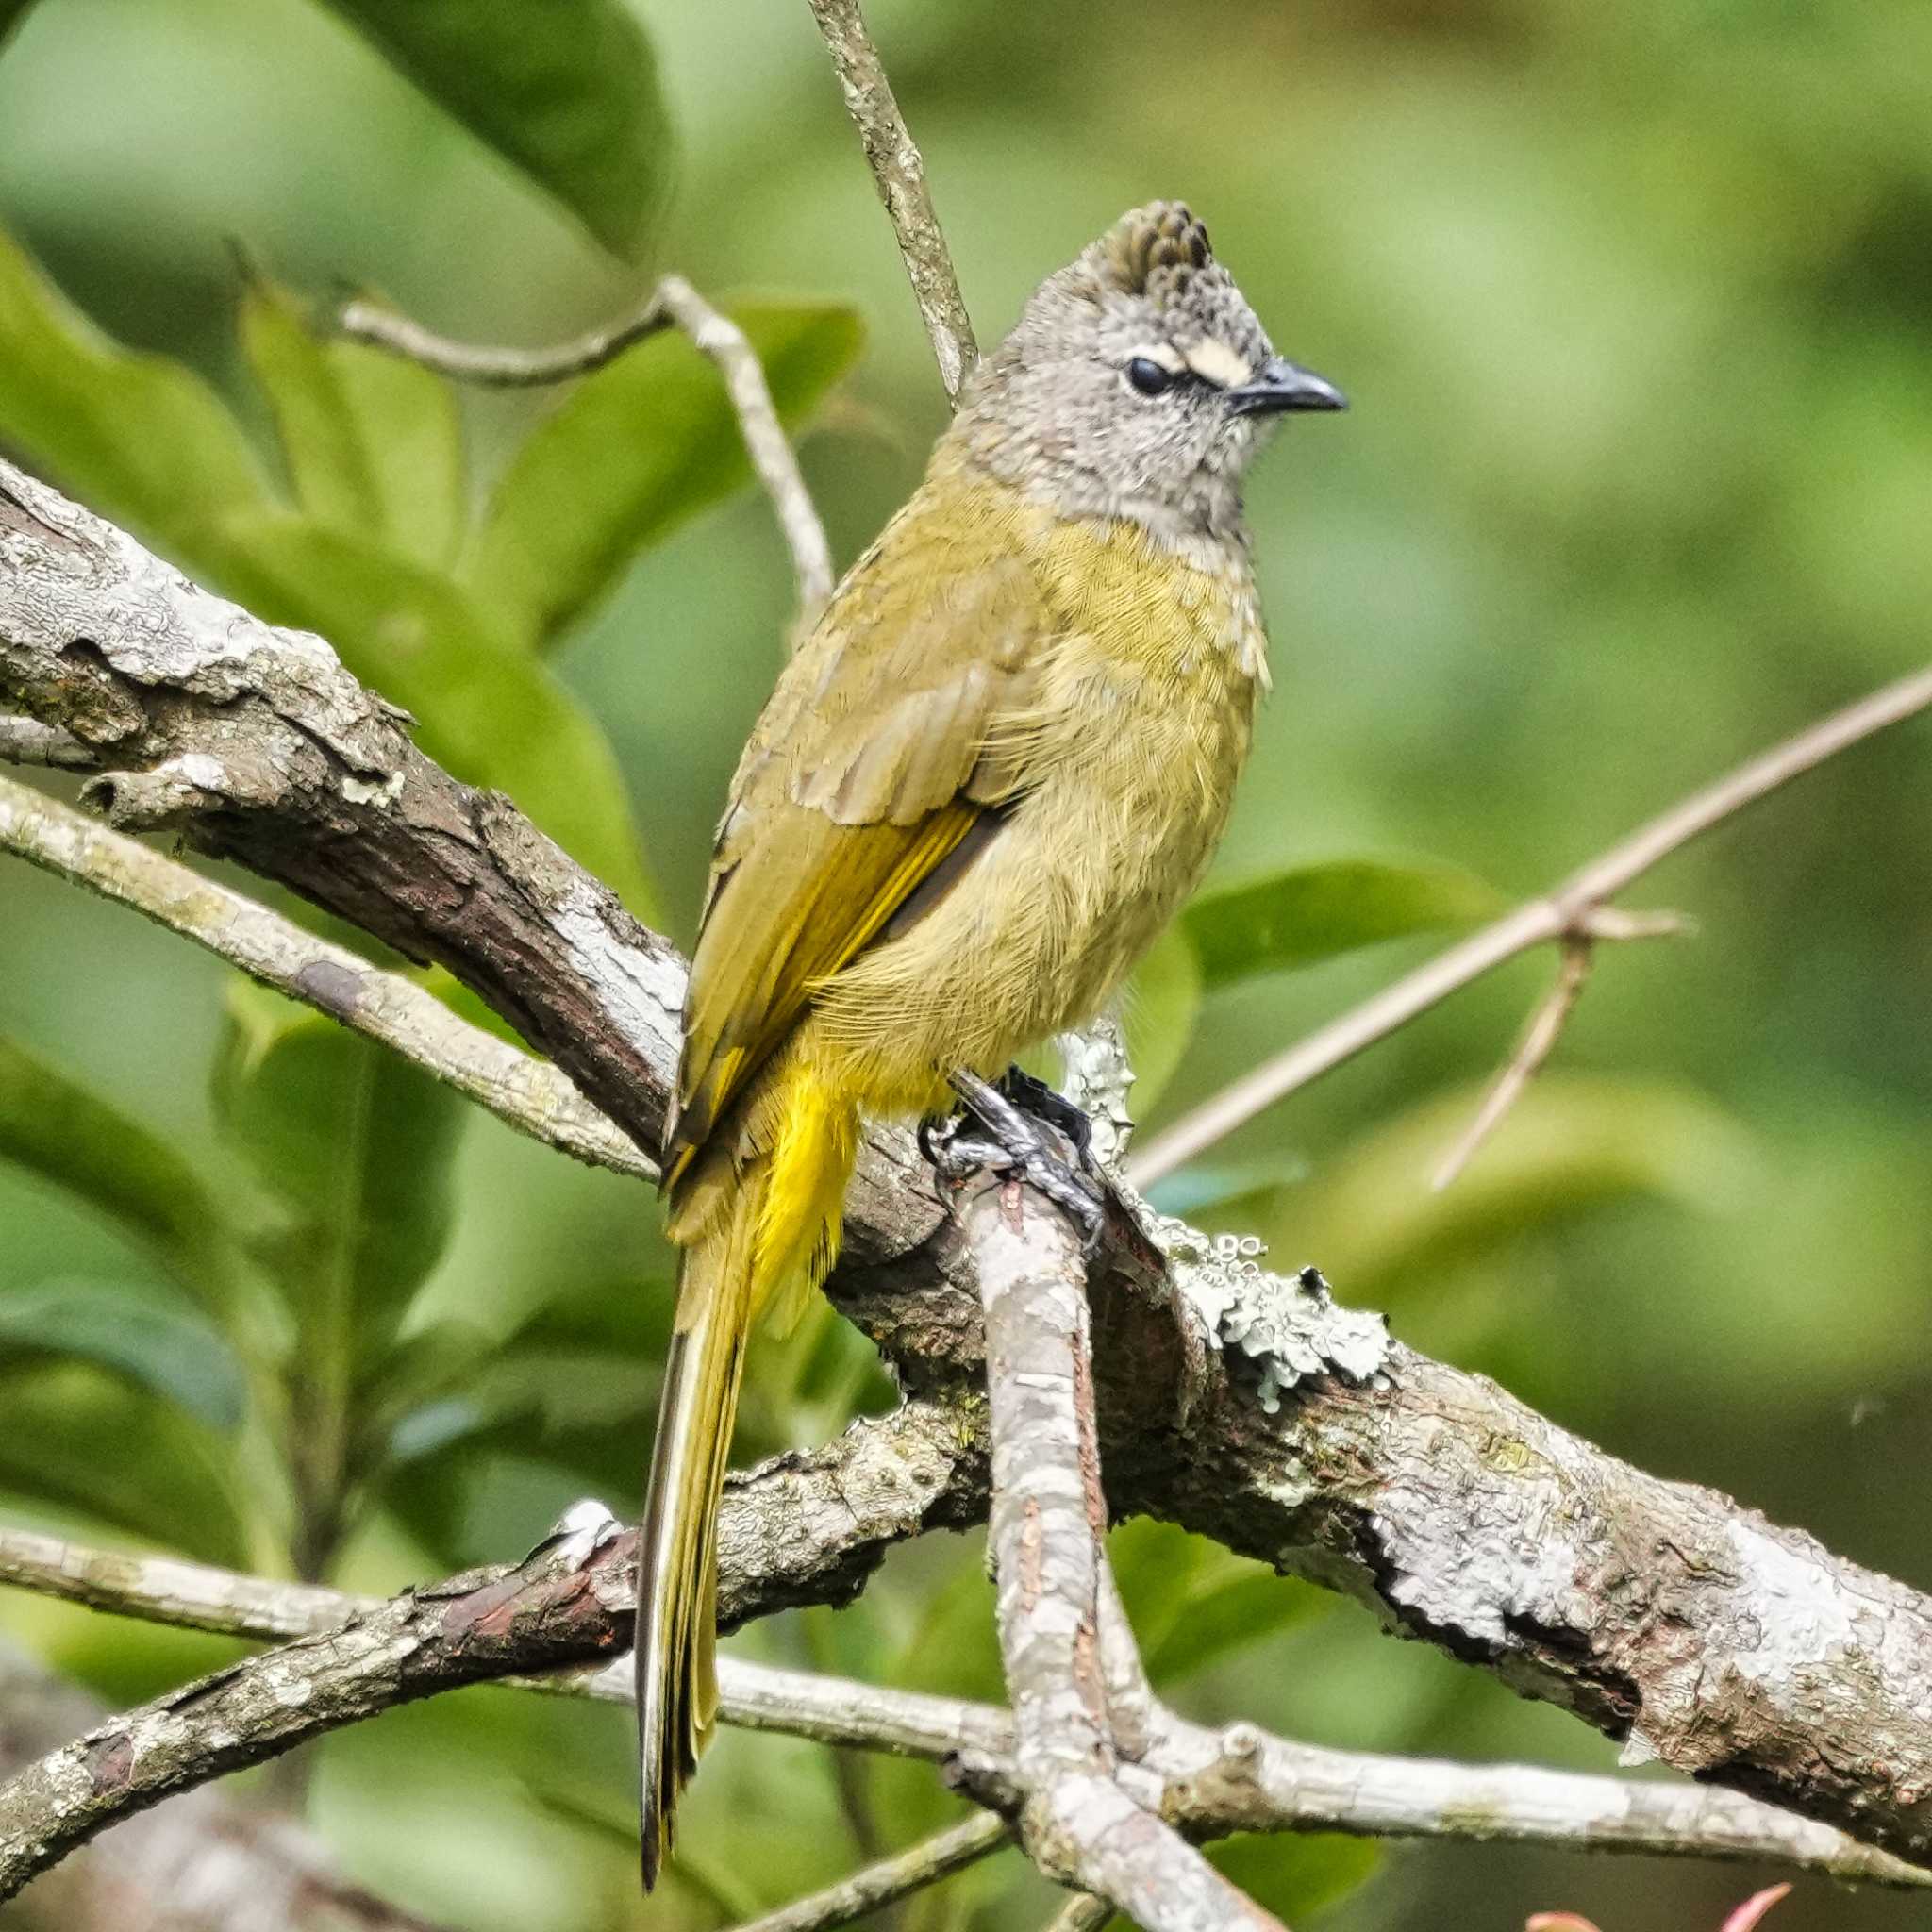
(1576, 910)
(1237, 1404)
(203, 1864)
(1079, 1817)
(530, 1095)
(1214, 1781)
(672, 303)
(899, 172)
(889, 1879)
(26, 741)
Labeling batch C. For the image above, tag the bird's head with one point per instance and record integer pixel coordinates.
(1135, 383)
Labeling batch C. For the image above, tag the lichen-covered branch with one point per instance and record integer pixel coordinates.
(1079, 1817)
(202, 1864)
(800, 1529)
(1232, 1401)
(1212, 1781)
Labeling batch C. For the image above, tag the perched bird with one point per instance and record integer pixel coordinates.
(985, 781)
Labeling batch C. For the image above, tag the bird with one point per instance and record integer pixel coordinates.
(986, 777)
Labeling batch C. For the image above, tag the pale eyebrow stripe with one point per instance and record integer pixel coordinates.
(1170, 360)
(1214, 361)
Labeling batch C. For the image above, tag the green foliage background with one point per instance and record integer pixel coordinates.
(1635, 306)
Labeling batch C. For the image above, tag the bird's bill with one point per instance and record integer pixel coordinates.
(1283, 385)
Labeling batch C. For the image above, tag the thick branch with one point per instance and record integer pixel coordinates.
(801, 1530)
(1240, 1779)
(27, 742)
(1230, 1401)
(203, 1864)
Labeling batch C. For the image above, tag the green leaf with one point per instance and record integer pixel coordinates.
(373, 443)
(355, 1148)
(1571, 1143)
(167, 1353)
(570, 97)
(1309, 913)
(1159, 1008)
(412, 436)
(488, 712)
(52, 1126)
(88, 1443)
(635, 449)
(322, 443)
(1295, 1875)
(140, 439)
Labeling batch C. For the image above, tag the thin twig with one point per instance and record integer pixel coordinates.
(713, 334)
(27, 742)
(1083, 1912)
(1254, 1782)
(1539, 1041)
(527, 1093)
(889, 1879)
(899, 171)
(1574, 907)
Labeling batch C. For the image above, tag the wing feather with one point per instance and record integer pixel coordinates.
(867, 770)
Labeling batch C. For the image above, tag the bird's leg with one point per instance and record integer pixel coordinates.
(1034, 1096)
(1009, 1140)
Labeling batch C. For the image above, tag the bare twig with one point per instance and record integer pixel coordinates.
(1083, 1912)
(1539, 1041)
(1576, 907)
(528, 1095)
(27, 742)
(673, 303)
(899, 171)
(1236, 1779)
(888, 1879)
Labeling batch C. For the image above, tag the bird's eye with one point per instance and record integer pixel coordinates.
(1148, 377)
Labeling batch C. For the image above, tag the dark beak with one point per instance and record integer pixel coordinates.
(1285, 384)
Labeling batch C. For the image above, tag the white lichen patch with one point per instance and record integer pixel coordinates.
(1286, 1331)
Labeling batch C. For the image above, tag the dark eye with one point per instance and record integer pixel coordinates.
(1148, 377)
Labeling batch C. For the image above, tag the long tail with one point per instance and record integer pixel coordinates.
(751, 1235)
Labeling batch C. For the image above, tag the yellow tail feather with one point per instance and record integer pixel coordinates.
(757, 1238)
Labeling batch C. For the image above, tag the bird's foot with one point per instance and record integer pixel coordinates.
(1034, 1096)
(1011, 1139)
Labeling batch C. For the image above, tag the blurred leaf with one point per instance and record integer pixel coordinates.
(54, 1127)
(1295, 1875)
(354, 1145)
(1309, 913)
(11, 13)
(571, 99)
(1571, 1143)
(140, 439)
(166, 1353)
(488, 712)
(412, 433)
(373, 441)
(1192, 1603)
(1240, 1608)
(89, 1442)
(1159, 1010)
(634, 450)
(322, 443)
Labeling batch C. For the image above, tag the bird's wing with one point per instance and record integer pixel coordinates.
(870, 767)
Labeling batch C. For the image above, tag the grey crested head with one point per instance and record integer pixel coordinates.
(1135, 382)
